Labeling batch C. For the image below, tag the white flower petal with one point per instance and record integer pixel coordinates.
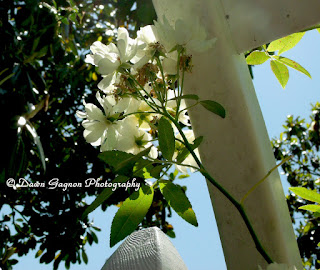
(94, 136)
(93, 112)
(105, 84)
(153, 152)
(81, 114)
(169, 66)
(111, 139)
(106, 66)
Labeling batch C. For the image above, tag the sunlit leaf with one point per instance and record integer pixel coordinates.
(37, 141)
(306, 194)
(39, 252)
(257, 58)
(281, 72)
(166, 138)
(183, 176)
(130, 214)
(142, 168)
(94, 76)
(311, 207)
(292, 64)
(286, 43)
(214, 107)
(178, 200)
(104, 195)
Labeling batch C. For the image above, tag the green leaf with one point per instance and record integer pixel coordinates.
(84, 256)
(112, 158)
(214, 107)
(94, 236)
(257, 58)
(142, 169)
(281, 72)
(286, 43)
(104, 195)
(96, 228)
(306, 194)
(39, 252)
(318, 30)
(133, 159)
(130, 214)
(311, 207)
(292, 64)
(122, 162)
(65, 21)
(171, 234)
(155, 171)
(194, 97)
(178, 200)
(6, 78)
(166, 138)
(184, 152)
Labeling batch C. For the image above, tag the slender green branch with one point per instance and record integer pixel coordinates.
(164, 97)
(238, 206)
(164, 173)
(20, 214)
(263, 179)
(187, 108)
(178, 84)
(125, 115)
(176, 163)
(142, 88)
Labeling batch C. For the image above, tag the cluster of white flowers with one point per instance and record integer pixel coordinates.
(139, 80)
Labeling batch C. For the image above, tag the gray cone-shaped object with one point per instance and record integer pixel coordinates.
(147, 249)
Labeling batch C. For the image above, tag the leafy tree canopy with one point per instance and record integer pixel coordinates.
(43, 79)
(301, 140)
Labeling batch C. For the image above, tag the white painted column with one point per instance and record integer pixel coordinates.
(237, 150)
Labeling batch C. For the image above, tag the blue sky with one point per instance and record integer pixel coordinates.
(200, 247)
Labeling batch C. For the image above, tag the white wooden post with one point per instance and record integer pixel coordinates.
(237, 150)
(148, 249)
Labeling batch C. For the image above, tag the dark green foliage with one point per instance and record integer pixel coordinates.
(302, 140)
(43, 46)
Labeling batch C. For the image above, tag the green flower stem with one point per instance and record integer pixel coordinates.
(125, 115)
(164, 98)
(173, 162)
(263, 179)
(142, 97)
(238, 206)
(188, 108)
(178, 84)
(158, 180)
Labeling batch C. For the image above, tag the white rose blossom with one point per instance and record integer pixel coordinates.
(102, 128)
(147, 44)
(190, 34)
(112, 129)
(108, 58)
(134, 140)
